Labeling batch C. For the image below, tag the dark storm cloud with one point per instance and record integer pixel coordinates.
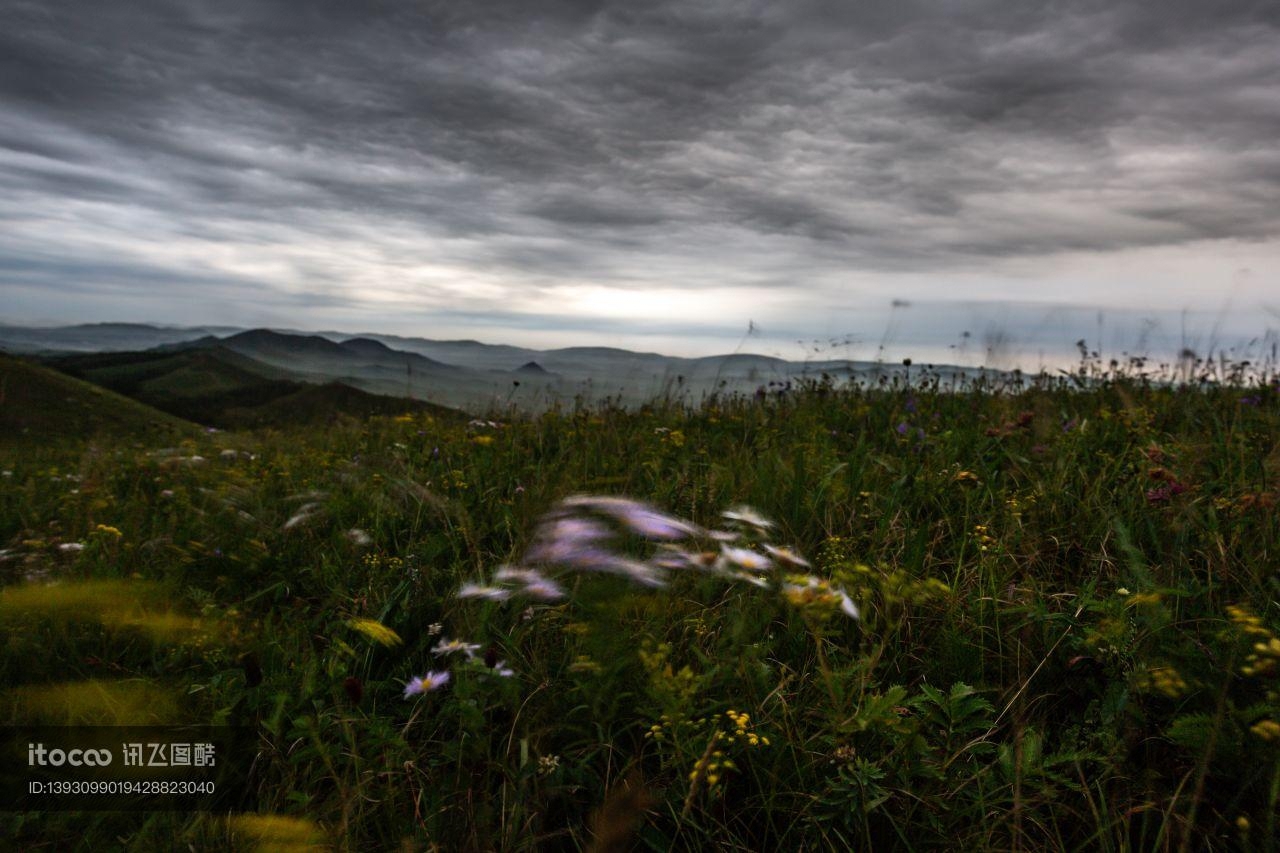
(704, 140)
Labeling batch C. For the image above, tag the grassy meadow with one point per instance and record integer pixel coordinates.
(1067, 637)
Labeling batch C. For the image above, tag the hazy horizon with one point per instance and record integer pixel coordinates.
(1049, 342)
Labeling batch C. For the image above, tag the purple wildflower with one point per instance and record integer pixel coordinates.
(424, 683)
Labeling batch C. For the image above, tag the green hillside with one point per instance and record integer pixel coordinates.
(218, 387)
(328, 403)
(39, 405)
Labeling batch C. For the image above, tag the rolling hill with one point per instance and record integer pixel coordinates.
(462, 374)
(38, 405)
(218, 386)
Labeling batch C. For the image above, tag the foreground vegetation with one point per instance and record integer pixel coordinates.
(1067, 635)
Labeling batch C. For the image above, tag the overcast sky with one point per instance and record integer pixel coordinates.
(650, 175)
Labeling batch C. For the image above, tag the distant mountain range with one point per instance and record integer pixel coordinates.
(203, 371)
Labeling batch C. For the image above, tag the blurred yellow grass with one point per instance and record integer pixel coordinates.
(136, 605)
(275, 833)
(98, 702)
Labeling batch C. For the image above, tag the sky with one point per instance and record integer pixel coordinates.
(945, 179)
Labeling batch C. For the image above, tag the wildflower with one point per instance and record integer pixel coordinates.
(448, 647)
(639, 517)
(563, 539)
(1266, 729)
(71, 547)
(547, 590)
(509, 573)
(1166, 680)
(754, 580)
(501, 669)
(1122, 591)
(533, 582)
(108, 530)
(746, 515)
(489, 593)
(746, 558)
(786, 555)
(846, 604)
(434, 629)
(422, 684)
(641, 573)
(359, 537)
(809, 590)
(376, 631)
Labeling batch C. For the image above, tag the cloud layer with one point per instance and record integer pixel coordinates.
(408, 162)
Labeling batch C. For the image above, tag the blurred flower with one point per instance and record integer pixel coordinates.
(71, 547)
(563, 540)
(811, 591)
(640, 518)
(846, 604)
(421, 684)
(786, 555)
(544, 588)
(448, 647)
(490, 593)
(746, 515)
(359, 537)
(746, 558)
